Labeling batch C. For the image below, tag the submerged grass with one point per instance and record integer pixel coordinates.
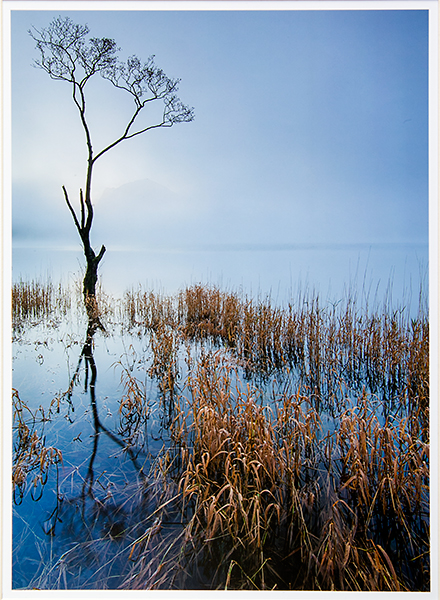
(275, 502)
(31, 454)
(300, 441)
(34, 301)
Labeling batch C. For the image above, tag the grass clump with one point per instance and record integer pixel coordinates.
(34, 302)
(275, 502)
(31, 455)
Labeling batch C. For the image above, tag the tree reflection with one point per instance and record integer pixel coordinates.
(113, 488)
(99, 508)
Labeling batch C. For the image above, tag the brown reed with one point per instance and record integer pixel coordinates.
(31, 455)
(264, 493)
(272, 505)
(35, 301)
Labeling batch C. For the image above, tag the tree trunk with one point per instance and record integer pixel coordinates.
(89, 282)
(92, 261)
(91, 276)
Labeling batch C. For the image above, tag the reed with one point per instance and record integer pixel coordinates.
(134, 408)
(164, 343)
(275, 505)
(35, 301)
(329, 347)
(147, 310)
(265, 493)
(31, 455)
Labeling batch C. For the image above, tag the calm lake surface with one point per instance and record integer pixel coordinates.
(88, 428)
(369, 270)
(44, 362)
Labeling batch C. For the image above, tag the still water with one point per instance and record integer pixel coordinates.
(373, 271)
(98, 478)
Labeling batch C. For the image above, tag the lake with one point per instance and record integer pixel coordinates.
(245, 367)
(278, 271)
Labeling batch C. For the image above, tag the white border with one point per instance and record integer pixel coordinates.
(5, 326)
(217, 5)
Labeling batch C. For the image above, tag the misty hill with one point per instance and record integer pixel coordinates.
(140, 213)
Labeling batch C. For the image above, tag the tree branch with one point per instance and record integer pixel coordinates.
(72, 211)
(81, 199)
(127, 137)
(101, 254)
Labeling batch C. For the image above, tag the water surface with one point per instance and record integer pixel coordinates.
(372, 271)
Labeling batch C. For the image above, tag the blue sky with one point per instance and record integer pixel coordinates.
(310, 127)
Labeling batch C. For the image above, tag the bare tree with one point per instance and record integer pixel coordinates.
(67, 54)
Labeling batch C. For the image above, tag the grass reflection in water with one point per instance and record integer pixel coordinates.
(213, 441)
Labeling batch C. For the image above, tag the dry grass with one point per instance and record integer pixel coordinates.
(31, 455)
(262, 497)
(34, 301)
(147, 310)
(274, 504)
